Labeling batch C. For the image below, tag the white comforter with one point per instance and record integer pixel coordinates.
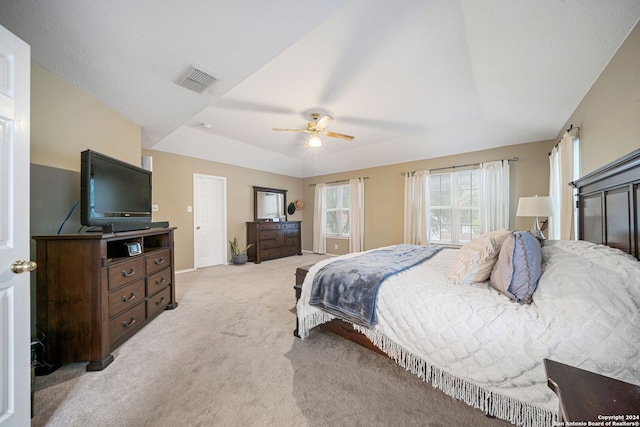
(476, 345)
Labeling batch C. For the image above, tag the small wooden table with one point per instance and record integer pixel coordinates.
(589, 397)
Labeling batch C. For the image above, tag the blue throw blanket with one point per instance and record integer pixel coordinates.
(348, 288)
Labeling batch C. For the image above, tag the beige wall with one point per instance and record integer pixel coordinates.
(66, 121)
(609, 114)
(384, 190)
(173, 192)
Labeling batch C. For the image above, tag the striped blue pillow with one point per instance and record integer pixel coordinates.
(519, 267)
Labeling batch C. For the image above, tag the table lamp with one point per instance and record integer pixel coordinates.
(535, 207)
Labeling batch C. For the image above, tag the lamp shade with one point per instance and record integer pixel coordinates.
(535, 206)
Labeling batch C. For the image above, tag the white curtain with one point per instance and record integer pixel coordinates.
(561, 174)
(494, 190)
(356, 215)
(319, 234)
(416, 208)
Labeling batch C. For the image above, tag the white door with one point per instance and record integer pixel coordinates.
(15, 318)
(210, 220)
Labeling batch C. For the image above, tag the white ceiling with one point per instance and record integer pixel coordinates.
(410, 79)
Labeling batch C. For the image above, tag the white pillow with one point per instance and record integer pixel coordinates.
(475, 260)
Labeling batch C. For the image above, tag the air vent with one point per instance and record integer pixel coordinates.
(196, 80)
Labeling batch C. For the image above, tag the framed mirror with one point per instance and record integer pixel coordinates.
(269, 204)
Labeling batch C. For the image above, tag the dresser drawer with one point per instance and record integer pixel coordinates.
(271, 253)
(268, 235)
(291, 226)
(158, 302)
(158, 281)
(293, 233)
(125, 272)
(157, 260)
(126, 297)
(270, 226)
(289, 250)
(291, 241)
(127, 323)
(268, 244)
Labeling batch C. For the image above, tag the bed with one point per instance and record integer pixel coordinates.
(485, 345)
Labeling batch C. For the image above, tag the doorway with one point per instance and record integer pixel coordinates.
(209, 220)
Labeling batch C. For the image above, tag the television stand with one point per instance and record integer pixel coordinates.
(92, 296)
(133, 226)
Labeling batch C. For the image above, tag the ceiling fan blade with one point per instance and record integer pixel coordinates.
(323, 122)
(289, 130)
(339, 135)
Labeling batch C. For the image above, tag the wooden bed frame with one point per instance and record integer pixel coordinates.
(608, 213)
(609, 204)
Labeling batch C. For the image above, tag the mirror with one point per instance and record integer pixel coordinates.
(269, 204)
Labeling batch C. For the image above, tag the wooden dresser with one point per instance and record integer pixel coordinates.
(92, 295)
(273, 240)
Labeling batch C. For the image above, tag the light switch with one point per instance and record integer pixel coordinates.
(155, 208)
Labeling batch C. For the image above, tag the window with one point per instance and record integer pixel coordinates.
(337, 210)
(454, 200)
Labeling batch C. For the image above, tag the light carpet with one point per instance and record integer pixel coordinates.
(226, 356)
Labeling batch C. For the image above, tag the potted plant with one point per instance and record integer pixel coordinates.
(238, 254)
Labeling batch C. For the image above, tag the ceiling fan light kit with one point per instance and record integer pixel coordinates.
(316, 128)
(314, 142)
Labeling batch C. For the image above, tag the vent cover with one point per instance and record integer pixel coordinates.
(196, 80)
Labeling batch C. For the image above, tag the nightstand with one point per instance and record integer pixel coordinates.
(586, 396)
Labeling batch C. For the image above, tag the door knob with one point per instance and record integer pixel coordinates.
(23, 266)
(198, 228)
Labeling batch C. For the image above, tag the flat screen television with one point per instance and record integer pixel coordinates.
(113, 193)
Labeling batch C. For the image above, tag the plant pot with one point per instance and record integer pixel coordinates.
(239, 259)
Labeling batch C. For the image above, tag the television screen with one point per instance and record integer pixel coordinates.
(112, 191)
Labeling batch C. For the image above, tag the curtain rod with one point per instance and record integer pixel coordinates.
(515, 159)
(569, 129)
(334, 182)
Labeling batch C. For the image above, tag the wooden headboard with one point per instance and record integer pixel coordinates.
(609, 204)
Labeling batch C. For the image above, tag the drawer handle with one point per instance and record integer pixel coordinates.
(130, 273)
(160, 302)
(125, 299)
(158, 261)
(133, 320)
(160, 282)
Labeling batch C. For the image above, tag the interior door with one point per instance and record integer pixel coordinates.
(210, 220)
(15, 329)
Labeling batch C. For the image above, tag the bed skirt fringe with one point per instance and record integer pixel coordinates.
(492, 404)
(309, 322)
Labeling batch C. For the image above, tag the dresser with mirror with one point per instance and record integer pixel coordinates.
(270, 233)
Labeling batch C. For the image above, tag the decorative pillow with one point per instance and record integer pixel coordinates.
(518, 268)
(474, 261)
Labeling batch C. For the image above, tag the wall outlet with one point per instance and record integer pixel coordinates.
(154, 208)
(189, 209)
(335, 246)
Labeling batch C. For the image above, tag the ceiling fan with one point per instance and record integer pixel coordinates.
(316, 128)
